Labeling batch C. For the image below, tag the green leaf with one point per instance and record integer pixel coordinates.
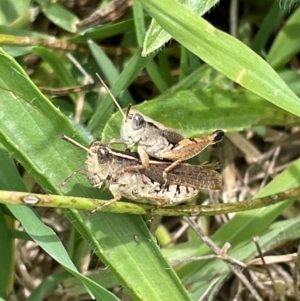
(223, 52)
(43, 235)
(272, 19)
(156, 36)
(109, 70)
(287, 42)
(139, 22)
(49, 284)
(207, 109)
(59, 67)
(104, 31)
(7, 253)
(291, 77)
(105, 108)
(31, 127)
(133, 68)
(13, 9)
(61, 17)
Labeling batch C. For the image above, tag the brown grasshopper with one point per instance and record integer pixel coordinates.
(161, 142)
(156, 140)
(104, 165)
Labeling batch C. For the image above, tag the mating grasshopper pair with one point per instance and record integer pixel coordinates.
(104, 165)
(164, 181)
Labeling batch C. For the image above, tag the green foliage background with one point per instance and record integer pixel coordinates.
(31, 126)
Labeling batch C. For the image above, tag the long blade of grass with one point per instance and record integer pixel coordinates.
(207, 109)
(39, 232)
(31, 127)
(223, 52)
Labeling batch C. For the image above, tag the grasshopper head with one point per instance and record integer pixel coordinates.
(98, 163)
(133, 127)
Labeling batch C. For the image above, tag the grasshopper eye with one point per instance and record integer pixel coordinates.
(137, 121)
(218, 136)
(102, 155)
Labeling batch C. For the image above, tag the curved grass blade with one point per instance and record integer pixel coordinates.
(156, 36)
(43, 235)
(286, 44)
(30, 128)
(223, 52)
(208, 109)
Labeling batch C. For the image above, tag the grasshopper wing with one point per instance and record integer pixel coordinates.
(197, 176)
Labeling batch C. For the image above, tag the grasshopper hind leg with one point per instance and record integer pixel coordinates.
(190, 147)
(144, 161)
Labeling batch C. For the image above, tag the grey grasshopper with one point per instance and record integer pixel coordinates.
(104, 165)
(156, 140)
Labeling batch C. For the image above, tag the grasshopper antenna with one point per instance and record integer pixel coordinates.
(111, 95)
(70, 140)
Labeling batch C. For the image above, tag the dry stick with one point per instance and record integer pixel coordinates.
(68, 90)
(221, 252)
(295, 275)
(81, 96)
(195, 258)
(155, 222)
(51, 42)
(59, 201)
(271, 166)
(271, 259)
(233, 264)
(179, 232)
(80, 68)
(111, 12)
(256, 242)
(233, 13)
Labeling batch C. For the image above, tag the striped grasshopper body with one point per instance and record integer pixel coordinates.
(105, 167)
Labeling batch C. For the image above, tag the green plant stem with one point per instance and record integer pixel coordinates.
(42, 200)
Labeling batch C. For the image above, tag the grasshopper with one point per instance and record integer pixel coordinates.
(104, 165)
(156, 140)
